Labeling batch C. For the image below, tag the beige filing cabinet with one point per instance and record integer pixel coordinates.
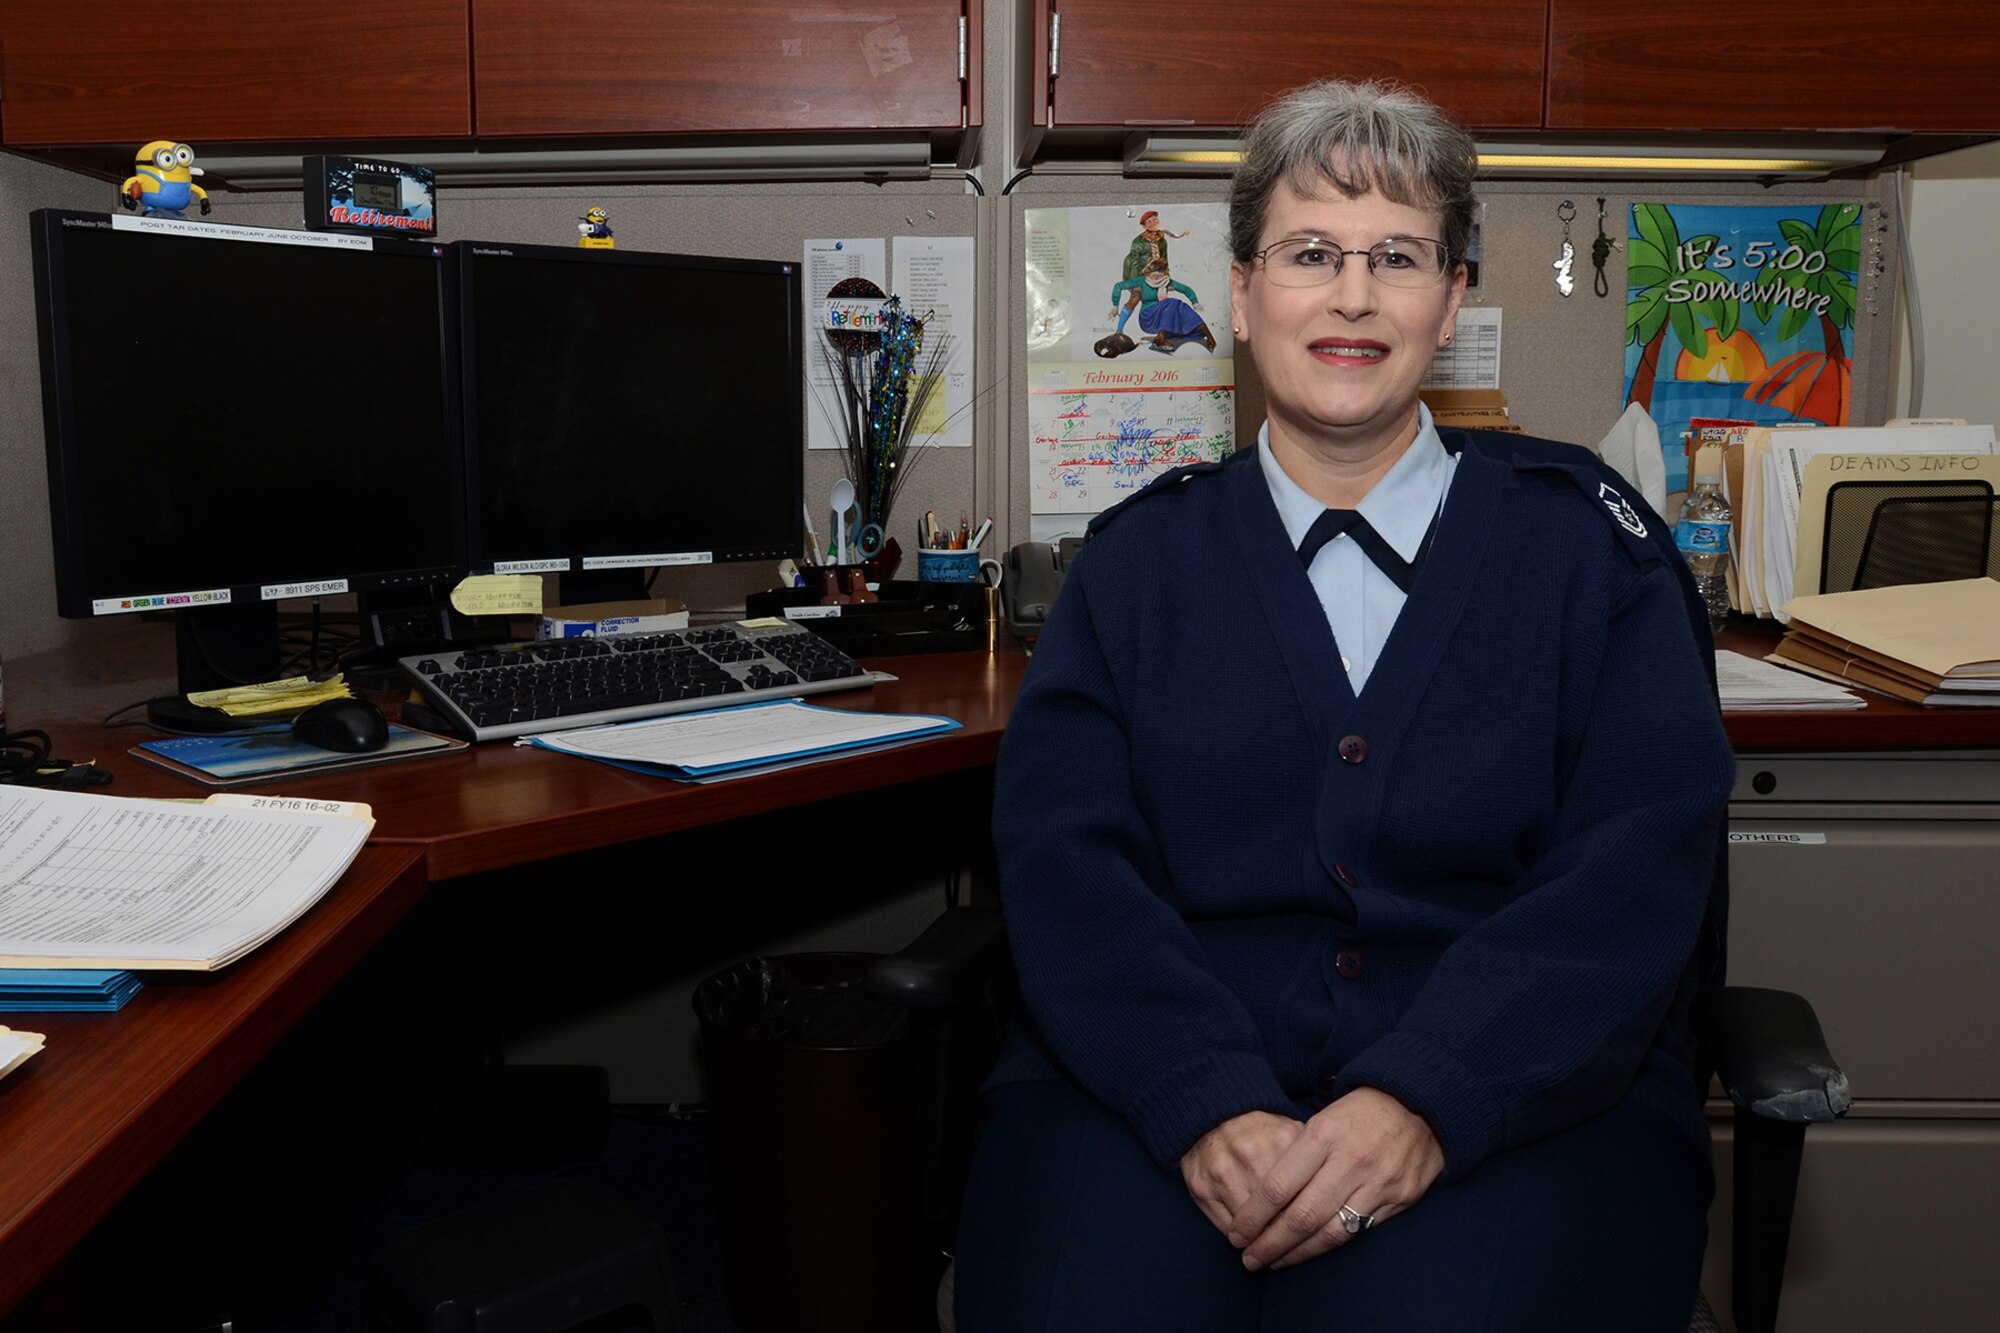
(1870, 883)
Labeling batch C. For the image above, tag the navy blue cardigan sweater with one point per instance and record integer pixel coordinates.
(1232, 885)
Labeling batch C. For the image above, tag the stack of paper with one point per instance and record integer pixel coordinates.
(1931, 643)
(1778, 524)
(108, 882)
(1748, 685)
(276, 696)
(64, 990)
(16, 1047)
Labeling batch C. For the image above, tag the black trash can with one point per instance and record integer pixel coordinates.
(812, 1094)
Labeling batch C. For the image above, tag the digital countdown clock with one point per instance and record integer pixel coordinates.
(370, 197)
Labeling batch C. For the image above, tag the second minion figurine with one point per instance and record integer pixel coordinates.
(595, 227)
(162, 183)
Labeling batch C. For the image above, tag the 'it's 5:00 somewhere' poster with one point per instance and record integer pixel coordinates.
(1740, 312)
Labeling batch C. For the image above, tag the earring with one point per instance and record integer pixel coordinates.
(1236, 330)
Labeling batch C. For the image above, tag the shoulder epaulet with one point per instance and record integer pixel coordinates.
(1640, 536)
(1159, 485)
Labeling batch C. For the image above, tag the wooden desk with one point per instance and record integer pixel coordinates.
(82, 1122)
(494, 805)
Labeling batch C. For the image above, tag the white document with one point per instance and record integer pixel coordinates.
(104, 881)
(1472, 361)
(933, 276)
(721, 739)
(1750, 685)
(828, 262)
(16, 1047)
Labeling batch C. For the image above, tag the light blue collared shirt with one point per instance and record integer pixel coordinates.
(1360, 601)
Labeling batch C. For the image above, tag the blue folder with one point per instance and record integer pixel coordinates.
(59, 990)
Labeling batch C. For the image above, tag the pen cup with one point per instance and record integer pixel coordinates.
(937, 565)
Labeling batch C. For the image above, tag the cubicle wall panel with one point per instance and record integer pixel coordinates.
(1888, 926)
(1893, 1231)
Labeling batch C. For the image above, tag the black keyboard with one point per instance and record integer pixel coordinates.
(518, 689)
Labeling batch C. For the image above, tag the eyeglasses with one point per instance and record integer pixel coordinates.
(1312, 261)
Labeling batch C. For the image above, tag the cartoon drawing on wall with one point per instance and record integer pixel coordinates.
(1168, 310)
(1740, 312)
(1148, 248)
(162, 181)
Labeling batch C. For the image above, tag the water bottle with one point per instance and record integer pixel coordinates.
(1703, 536)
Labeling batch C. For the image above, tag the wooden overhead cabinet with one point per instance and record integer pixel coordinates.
(702, 67)
(1120, 64)
(1919, 66)
(209, 71)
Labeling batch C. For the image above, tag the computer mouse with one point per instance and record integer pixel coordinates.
(350, 726)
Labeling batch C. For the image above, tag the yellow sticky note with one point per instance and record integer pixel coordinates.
(498, 595)
(766, 622)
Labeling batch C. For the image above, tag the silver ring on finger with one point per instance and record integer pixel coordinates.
(1355, 1222)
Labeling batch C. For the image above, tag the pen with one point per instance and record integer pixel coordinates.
(812, 538)
(980, 535)
(964, 530)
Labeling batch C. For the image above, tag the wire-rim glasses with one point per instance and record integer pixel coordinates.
(1311, 261)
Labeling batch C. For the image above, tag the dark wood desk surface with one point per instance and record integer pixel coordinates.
(496, 805)
(82, 1122)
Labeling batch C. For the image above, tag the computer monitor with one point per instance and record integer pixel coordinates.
(626, 411)
(240, 415)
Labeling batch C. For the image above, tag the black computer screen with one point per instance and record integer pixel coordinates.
(625, 409)
(240, 414)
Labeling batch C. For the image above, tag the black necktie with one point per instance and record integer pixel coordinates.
(1401, 572)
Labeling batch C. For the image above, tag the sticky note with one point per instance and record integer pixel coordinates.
(498, 595)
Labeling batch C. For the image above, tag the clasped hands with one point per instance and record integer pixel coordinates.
(1275, 1186)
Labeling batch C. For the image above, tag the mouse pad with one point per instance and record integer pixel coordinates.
(237, 758)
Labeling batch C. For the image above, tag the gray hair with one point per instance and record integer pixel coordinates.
(1355, 137)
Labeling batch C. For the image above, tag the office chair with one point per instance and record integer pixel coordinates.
(1882, 534)
(1765, 1047)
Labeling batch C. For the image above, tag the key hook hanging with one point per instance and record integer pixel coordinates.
(1600, 251)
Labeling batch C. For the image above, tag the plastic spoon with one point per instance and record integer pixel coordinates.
(843, 501)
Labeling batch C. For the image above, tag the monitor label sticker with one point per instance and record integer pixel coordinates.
(810, 612)
(637, 561)
(560, 566)
(323, 588)
(232, 232)
(166, 601)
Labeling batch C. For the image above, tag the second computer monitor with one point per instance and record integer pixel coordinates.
(627, 410)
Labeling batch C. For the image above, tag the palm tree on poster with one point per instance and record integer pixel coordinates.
(1822, 260)
(1656, 257)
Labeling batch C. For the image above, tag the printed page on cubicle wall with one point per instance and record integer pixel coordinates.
(934, 278)
(1131, 365)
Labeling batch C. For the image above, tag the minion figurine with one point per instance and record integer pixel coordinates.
(595, 227)
(163, 181)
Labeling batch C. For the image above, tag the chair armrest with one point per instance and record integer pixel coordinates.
(946, 966)
(1770, 1054)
